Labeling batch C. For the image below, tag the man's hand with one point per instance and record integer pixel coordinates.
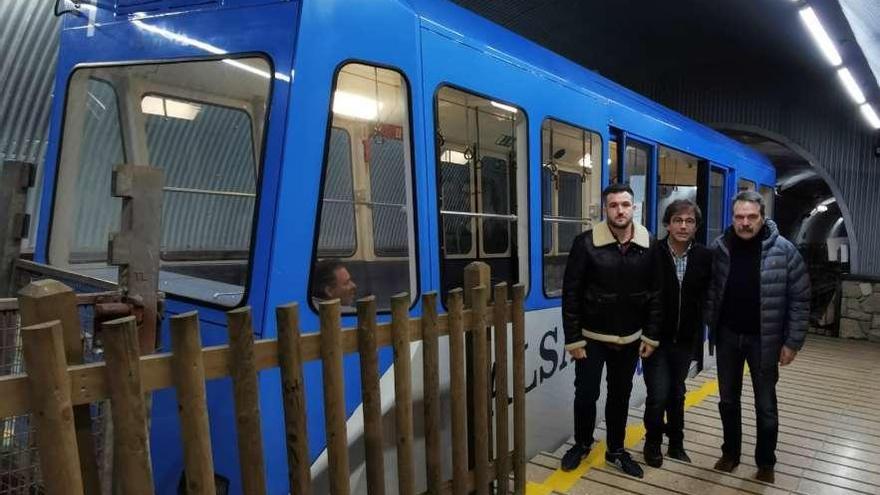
(645, 350)
(786, 356)
(579, 353)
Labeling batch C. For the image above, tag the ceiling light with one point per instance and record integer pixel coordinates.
(822, 208)
(452, 156)
(586, 161)
(355, 106)
(820, 36)
(870, 115)
(166, 107)
(855, 92)
(502, 106)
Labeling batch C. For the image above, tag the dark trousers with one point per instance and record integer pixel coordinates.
(734, 350)
(621, 364)
(665, 372)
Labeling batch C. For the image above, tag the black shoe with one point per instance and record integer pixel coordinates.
(726, 464)
(623, 461)
(766, 475)
(572, 459)
(678, 453)
(653, 455)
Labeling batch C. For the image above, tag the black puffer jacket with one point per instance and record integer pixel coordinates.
(609, 295)
(785, 292)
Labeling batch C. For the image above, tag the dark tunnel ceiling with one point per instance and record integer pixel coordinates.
(706, 43)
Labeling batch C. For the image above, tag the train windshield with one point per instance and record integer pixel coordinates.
(202, 124)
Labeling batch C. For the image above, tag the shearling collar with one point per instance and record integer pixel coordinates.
(602, 235)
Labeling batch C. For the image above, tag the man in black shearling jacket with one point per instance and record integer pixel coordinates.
(611, 316)
(685, 270)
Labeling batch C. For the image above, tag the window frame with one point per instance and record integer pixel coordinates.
(412, 187)
(259, 162)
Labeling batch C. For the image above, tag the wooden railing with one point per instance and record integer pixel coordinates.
(52, 389)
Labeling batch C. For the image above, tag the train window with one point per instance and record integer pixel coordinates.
(201, 122)
(745, 185)
(769, 196)
(570, 193)
(613, 163)
(677, 177)
(715, 215)
(367, 197)
(481, 179)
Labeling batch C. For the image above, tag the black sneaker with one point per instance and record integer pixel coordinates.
(653, 455)
(623, 461)
(572, 459)
(677, 452)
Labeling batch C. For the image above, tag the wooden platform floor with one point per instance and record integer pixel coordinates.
(829, 435)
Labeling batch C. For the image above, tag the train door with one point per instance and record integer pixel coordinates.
(679, 176)
(712, 199)
(633, 161)
(479, 177)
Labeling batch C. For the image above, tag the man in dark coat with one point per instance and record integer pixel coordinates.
(685, 269)
(758, 312)
(611, 316)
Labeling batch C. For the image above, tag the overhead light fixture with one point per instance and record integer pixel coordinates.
(586, 161)
(852, 87)
(502, 106)
(822, 208)
(452, 156)
(870, 115)
(167, 107)
(355, 106)
(820, 36)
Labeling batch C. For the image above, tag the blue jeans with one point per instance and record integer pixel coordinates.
(665, 373)
(621, 363)
(733, 351)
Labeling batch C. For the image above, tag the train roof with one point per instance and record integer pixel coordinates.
(464, 26)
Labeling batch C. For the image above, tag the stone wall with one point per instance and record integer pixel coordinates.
(860, 310)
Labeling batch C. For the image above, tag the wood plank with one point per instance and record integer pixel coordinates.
(372, 399)
(293, 396)
(501, 421)
(480, 366)
(431, 386)
(334, 397)
(192, 407)
(455, 304)
(245, 388)
(403, 413)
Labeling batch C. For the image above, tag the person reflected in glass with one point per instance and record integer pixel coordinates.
(332, 280)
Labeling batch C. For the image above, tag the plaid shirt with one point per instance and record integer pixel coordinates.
(680, 262)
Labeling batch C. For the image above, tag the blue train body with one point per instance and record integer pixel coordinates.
(432, 43)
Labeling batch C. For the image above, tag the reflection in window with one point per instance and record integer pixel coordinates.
(366, 200)
(201, 123)
(744, 185)
(677, 176)
(715, 215)
(636, 170)
(769, 196)
(570, 193)
(477, 147)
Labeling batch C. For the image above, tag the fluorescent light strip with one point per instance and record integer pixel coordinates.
(870, 115)
(852, 87)
(502, 106)
(820, 36)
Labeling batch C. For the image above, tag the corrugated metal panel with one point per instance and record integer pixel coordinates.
(837, 139)
(29, 37)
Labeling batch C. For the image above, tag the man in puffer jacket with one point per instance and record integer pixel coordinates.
(758, 312)
(611, 316)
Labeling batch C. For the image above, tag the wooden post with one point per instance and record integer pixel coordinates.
(189, 379)
(243, 370)
(476, 274)
(403, 393)
(47, 300)
(480, 365)
(133, 473)
(502, 465)
(519, 389)
(458, 392)
(291, 363)
(366, 311)
(334, 397)
(52, 412)
(431, 386)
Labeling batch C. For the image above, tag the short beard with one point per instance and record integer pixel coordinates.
(624, 226)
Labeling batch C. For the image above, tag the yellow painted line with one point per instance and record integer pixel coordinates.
(562, 481)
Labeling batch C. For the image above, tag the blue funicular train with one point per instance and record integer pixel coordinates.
(405, 138)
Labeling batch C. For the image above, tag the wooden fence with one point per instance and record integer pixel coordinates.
(53, 389)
